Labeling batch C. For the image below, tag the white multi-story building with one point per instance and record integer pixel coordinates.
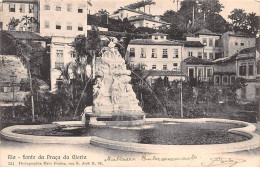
(19, 9)
(62, 21)
(157, 53)
(210, 40)
(63, 17)
(139, 18)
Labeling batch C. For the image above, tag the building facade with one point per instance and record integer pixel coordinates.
(21, 10)
(210, 41)
(157, 53)
(192, 49)
(61, 21)
(225, 71)
(233, 43)
(63, 18)
(125, 13)
(197, 69)
(139, 18)
(246, 67)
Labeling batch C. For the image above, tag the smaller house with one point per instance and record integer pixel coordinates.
(225, 70)
(139, 18)
(198, 70)
(147, 21)
(193, 49)
(246, 68)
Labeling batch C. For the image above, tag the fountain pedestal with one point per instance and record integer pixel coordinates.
(113, 95)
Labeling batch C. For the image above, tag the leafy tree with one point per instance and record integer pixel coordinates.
(210, 7)
(253, 23)
(216, 23)
(141, 4)
(239, 19)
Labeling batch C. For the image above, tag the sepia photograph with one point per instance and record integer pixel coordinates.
(129, 83)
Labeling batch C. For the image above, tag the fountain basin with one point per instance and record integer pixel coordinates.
(246, 131)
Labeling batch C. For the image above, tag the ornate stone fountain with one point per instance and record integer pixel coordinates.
(113, 96)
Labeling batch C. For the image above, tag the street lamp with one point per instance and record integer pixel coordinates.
(13, 82)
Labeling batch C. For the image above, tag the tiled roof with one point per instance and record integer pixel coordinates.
(192, 43)
(206, 32)
(152, 42)
(122, 34)
(128, 9)
(145, 17)
(243, 54)
(239, 34)
(24, 35)
(196, 60)
(161, 73)
(248, 50)
(224, 60)
(247, 53)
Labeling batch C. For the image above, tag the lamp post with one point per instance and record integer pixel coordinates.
(13, 80)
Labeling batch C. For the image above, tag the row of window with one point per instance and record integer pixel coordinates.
(200, 72)
(245, 70)
(58, 8)
(165, 66)
(59, 54)
(205, 55)
(165, 54)
(224, 80)
(154, 53)
(21, 8)
(208, 43)
(58, 26)
(154, 66)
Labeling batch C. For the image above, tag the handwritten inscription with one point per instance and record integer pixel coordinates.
(155, 158)
(228, 162)
(119, 158)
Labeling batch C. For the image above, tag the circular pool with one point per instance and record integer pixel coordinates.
(207, 135)
(156, 133)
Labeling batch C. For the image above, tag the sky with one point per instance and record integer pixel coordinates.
(163, 5)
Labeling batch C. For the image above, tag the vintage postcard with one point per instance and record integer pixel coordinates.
(129, 83)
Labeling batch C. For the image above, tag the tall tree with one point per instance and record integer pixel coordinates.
(239, 19)
(252, 22)
(29, 53)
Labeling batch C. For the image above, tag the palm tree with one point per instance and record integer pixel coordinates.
(25, 52)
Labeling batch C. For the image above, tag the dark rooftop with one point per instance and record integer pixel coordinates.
(128, 9)
(146, 17)
(192, 44)
(206, 32)
(24, 35)
(243, 54)
(240, 34)
(197, 61)
(152, 42)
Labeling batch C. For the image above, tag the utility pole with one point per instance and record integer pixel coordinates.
(181, 97)
(193, 15)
